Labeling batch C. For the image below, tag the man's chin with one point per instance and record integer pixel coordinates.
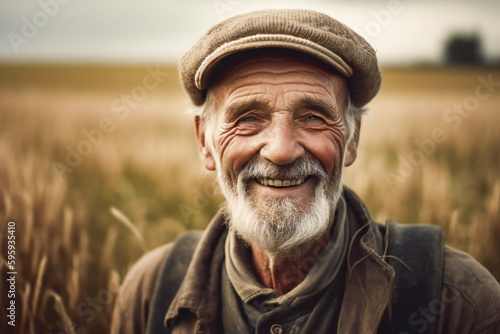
(279, 233)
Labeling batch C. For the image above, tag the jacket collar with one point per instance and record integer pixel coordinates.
(369, 281)
(199, 293)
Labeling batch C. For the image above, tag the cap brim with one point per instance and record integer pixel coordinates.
(204, 72)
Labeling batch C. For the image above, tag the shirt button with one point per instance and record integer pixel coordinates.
(276, 329)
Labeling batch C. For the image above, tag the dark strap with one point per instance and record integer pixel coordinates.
(169, 280)
(416, 293)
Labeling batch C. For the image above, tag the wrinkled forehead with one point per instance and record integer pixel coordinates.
(245, 63)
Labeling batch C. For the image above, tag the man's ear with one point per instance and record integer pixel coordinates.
(352, 149)
(205, 152)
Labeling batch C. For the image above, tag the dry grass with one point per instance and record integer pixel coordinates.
(73, 249)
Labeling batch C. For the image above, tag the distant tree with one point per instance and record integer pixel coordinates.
(464, 49)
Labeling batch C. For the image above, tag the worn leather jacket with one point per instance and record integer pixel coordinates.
(470, 300)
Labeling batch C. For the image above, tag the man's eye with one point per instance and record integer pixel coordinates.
(314, 118)
(248, 119)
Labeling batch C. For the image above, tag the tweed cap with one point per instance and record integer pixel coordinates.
(313, 33)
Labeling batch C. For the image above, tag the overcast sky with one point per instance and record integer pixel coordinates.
(104, 31)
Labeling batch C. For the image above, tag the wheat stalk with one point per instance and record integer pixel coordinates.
(25, 312)
(73, 285)
(67, 226)
(38, 285)
(109, 245)
(128, 224)
(61, 310)
(28, 220)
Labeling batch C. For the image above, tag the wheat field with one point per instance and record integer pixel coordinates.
(99, 165)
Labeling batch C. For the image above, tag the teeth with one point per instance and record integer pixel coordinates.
(281, 183)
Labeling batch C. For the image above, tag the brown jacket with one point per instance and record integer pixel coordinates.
(470, 300)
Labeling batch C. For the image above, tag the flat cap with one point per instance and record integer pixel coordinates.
(313, 33)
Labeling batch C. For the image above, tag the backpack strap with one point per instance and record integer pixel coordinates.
(421, 248)
(169, 280)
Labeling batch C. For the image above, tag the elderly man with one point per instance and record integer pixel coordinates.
(292, 250)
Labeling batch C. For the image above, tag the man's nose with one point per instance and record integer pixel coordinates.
(282, 146)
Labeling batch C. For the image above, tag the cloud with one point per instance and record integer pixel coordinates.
(162, 30)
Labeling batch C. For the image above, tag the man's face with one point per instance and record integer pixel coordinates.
(279, 143)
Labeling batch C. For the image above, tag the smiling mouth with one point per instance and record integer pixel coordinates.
(282, 183)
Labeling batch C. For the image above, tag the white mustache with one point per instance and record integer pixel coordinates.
(258, 168)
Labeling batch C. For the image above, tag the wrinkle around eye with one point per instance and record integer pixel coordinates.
(225, 137)
(336, 130)
(320, 120)
(255, 119)
(230, 130)
(248, 128)
(339, 135)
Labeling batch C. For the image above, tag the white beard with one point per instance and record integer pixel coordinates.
(280, 226)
